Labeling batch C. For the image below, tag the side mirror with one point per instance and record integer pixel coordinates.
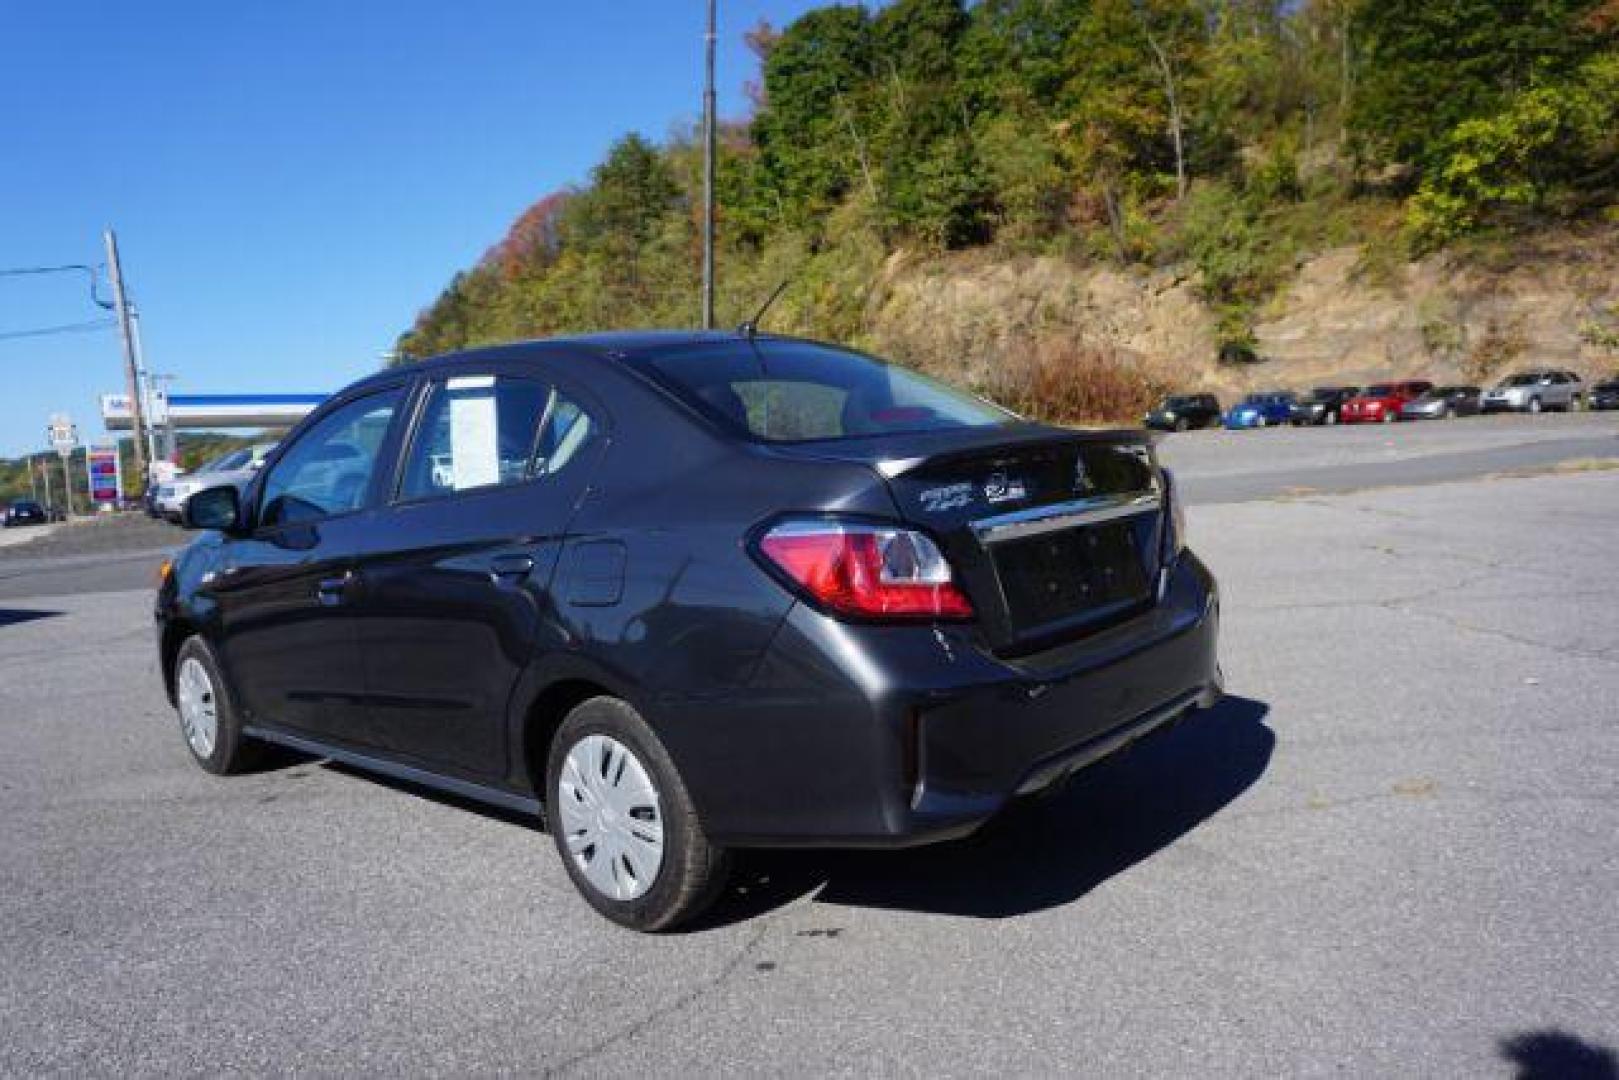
(214, 508)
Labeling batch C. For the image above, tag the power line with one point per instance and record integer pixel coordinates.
(92, 272)
(64, 328)
(16, 270)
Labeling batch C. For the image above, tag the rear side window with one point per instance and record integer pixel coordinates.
(484, 431)
(794, 391)
(328, 470)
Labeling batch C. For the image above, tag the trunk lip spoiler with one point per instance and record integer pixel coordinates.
(1048, 438)
(1036, 520)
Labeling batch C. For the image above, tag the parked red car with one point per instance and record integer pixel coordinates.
(1381, 404)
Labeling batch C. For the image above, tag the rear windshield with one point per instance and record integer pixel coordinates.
(794, 391)
(1380, 390)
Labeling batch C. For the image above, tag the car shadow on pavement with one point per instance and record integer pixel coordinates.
(1041, 853)
(16, 616)
(1543, 1055)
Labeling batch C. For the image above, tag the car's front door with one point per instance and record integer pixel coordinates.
(456, 576)
(286, 593)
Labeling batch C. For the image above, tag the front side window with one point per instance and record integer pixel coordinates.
(328, 470)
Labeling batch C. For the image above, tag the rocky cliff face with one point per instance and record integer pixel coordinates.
(1446, 317)
(1342, 318)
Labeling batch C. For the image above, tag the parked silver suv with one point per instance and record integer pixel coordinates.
(1535, 391)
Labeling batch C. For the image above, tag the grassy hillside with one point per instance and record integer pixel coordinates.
(1072, 204)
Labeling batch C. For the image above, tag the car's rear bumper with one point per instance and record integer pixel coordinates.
(894, 736)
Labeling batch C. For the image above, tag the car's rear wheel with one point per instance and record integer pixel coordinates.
(1180, 423)
(1535, 406)
(1388, 416)
(208, 717)
(1330, 419)
(624, 824)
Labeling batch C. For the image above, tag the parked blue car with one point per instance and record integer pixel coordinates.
(1262, 410)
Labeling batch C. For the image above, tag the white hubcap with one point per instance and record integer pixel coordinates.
(199, 711)
(609, 815)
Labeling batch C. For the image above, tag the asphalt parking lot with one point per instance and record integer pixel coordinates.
(1394, 849)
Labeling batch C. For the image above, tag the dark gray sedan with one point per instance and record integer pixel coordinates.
(1443, 403)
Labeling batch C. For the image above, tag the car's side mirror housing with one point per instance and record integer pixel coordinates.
(214, 508)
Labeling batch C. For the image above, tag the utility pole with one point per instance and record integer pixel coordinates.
(46, 473)
(67, 481)
(148, 409)
(709, 143)
(131, 348)
(33, 481)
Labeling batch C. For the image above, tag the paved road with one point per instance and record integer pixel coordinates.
(1391, 851)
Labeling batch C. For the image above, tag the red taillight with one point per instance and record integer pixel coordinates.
(871, 571)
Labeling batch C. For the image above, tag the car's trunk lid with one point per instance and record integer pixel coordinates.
(1054, 533)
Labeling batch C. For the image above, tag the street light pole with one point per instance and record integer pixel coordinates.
(709, 143)
(131, 349)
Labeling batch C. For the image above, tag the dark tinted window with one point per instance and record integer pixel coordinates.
(329, 469)
(787, 391)
(476, 431)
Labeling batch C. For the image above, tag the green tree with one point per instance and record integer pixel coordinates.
(1429, 65)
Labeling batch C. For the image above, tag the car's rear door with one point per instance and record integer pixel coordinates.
(456, 576)
(287, 593)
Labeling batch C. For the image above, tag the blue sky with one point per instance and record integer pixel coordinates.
(292, 182)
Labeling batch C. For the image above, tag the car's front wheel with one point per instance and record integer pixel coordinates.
(623, 822)
(208, 718)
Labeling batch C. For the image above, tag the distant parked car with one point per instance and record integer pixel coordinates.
(1605, 394)
(1381, 404)
(234, 469)
(1535, 392)
(1262, 410)
(25, 512)
(1323, 405)
(1179, 412)
(1443, 403)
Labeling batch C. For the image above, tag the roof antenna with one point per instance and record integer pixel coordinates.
(751, 327)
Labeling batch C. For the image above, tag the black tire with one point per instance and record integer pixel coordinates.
(1181, 424)
(693, 870)
(231, 751)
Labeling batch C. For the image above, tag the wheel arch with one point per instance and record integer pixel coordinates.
(548, 693)
(175, 633)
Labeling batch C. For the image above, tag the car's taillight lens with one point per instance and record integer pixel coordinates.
(869, 571)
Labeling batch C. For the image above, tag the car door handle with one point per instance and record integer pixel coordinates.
(508, 568)
(330, 591)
